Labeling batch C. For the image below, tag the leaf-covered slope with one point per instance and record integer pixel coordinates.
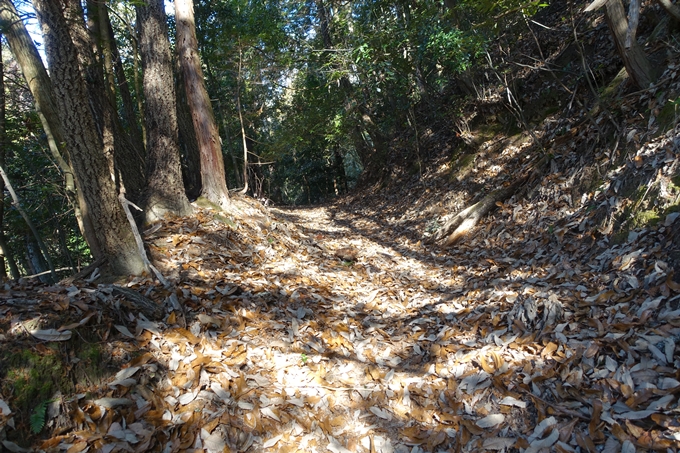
(553, 325)
(269, 340)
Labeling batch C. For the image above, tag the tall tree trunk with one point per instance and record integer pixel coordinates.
(634, 58)
(128, 160)
(94, 170)
(39, 83)
(190, 154)
(165, 191)
(214, 185)
(36, 260)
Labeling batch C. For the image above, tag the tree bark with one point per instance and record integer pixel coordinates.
(634, 58)
(93, 169)
(164, 191)
(128, 160)
(213, 179)
(39, 83)
(190, 154)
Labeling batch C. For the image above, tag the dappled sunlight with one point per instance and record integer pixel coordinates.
(333, 333)
(494, 265)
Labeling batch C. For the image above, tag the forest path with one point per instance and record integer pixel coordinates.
(325, 329)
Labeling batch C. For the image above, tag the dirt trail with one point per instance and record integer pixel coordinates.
(321, 330)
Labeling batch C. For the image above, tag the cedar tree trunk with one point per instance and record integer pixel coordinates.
(212, 163)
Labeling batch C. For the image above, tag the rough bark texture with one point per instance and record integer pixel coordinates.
(93, 171)
(39, 83)
(129, 161)
(634, 58)
(190, 154)
(165, 191)
(212, 163)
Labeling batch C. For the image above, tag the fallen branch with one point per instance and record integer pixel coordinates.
(138, 238)
(462, 223)
(671, 9)
(466, 220)
(63, 269)
(84, 272)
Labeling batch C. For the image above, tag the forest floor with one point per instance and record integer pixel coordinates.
(553, 325)
(322, 329)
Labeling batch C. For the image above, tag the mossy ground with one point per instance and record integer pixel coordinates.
(33, 373)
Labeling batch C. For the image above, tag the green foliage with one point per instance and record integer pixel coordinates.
(37, 419)
(489, 11)
(38, 183)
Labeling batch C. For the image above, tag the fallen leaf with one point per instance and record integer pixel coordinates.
(490, 420)
(51, 335)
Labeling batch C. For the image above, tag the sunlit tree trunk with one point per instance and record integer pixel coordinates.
(93, 169)
(214, 186)
(165, 191)
(634, 58)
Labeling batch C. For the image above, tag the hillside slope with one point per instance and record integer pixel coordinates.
(551, 325)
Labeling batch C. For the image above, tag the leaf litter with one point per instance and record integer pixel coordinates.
(271, 341)
(335, 329)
